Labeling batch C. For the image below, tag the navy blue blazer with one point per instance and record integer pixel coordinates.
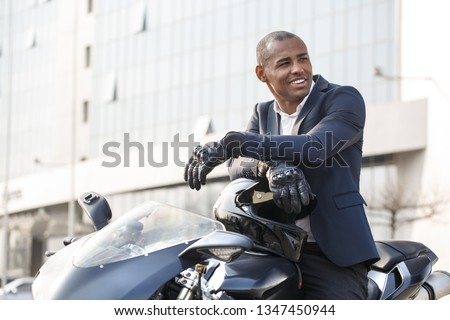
(328, 148)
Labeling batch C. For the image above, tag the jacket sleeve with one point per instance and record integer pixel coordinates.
(246, 167)
(341, 127)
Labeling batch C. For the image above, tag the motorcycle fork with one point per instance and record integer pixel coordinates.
(190, 281)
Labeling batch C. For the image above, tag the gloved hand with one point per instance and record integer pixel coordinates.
(288, 184)
(205, 158)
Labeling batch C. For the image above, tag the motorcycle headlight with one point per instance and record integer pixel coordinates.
(223, 254)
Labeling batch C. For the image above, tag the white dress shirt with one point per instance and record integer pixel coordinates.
(287, 122)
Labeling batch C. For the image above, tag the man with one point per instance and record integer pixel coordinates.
(311, 133)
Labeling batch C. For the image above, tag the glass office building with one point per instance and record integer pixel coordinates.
(75, 75)
(154, 67)
(166, 63)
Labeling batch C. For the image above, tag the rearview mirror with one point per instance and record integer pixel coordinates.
(96, 207)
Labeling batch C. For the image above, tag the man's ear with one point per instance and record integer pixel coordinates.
(260, 73)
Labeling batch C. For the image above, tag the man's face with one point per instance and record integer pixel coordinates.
(287, 72)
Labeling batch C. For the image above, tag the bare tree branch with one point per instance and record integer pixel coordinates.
(394, 202)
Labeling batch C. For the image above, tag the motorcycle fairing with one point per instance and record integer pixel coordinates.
(132, 279)
(261, 276)
(123, 259)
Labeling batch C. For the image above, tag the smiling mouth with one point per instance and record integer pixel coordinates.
(297, 81)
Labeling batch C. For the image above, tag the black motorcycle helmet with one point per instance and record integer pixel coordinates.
(246, 206)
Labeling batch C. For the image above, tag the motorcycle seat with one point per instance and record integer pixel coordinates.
(394, 251)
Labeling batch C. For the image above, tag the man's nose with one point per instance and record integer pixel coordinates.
(297, 67)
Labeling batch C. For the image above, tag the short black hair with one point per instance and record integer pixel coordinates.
(263, 44)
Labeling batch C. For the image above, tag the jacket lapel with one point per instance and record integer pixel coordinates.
(273, 126)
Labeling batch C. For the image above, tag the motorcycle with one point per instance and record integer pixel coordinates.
(156, 251)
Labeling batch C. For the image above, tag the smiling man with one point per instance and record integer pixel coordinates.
(307, 143)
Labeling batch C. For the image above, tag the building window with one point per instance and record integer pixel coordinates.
(139, 18)
(110, 88)
(32, 3)
(379, 160)
(85, 111)
(30, 39)
(89, 6)
(87, 57)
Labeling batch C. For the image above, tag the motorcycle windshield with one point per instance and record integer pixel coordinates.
(145, 229)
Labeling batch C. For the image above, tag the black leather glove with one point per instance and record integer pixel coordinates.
(290, 189)
(205, 158)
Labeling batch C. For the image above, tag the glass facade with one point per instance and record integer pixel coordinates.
(151, 68)
(198, 57)
(38, 88)
(156, 66)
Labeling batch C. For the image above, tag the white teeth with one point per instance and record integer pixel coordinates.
(298, 81)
